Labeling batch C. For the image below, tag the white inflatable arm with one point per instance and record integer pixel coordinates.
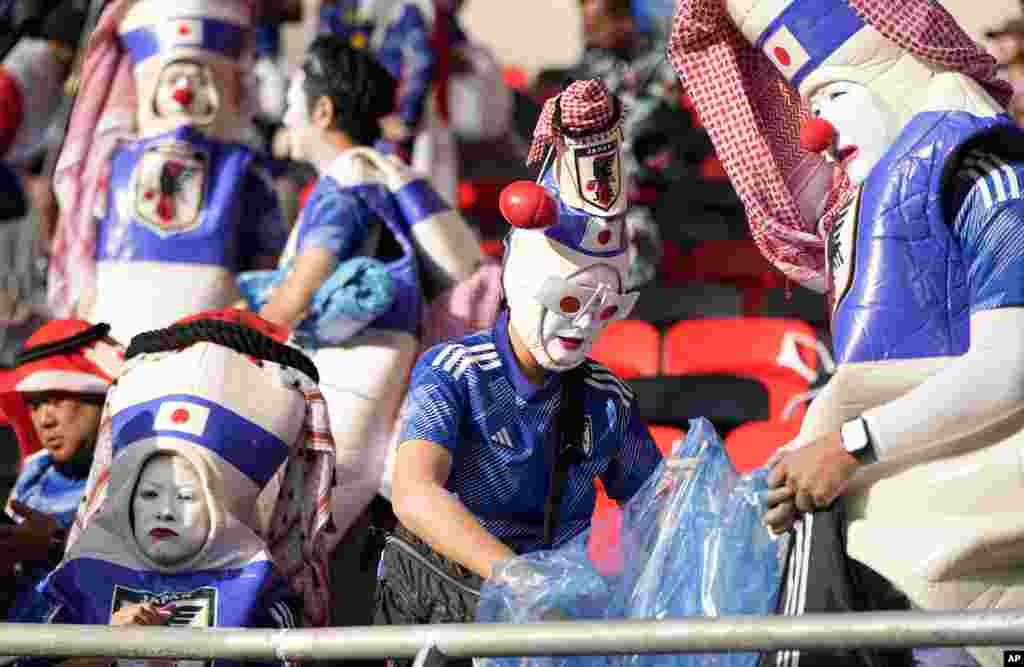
(976, 388)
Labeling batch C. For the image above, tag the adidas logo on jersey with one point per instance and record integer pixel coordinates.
(502, 438)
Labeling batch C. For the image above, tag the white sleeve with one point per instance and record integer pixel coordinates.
(972, 390)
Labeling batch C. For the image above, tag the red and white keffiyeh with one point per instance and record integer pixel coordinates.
(753, 114)
(586, 106)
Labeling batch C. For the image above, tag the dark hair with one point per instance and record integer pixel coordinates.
(361, 90)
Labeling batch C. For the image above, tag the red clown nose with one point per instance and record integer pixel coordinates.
(527, 205)
(183, 96)
(817, 135)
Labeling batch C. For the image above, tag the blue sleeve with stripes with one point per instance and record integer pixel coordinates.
(335, 220)
(635, 461)
(989, 227)
(434, 406)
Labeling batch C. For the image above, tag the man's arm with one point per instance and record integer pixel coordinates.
(438, 517)
(289, 300)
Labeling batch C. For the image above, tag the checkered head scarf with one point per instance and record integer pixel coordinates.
(583, 108)
(753, 114)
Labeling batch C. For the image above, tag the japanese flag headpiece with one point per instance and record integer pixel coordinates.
(573, 218)
(213, 35)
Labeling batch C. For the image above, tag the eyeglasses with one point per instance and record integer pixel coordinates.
(573, 301)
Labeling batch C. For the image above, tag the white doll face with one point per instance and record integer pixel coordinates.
(865, 127)
(169, 510)
(568, 314)
(186, 90)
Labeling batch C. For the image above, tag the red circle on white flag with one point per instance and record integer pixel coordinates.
(179, 416)
(782, 55)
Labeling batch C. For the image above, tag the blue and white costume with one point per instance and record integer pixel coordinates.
(926, 274)
(400, 33)
(195, 404)
(187, 204)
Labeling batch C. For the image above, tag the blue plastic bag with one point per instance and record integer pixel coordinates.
(359, 291)
(693, 545)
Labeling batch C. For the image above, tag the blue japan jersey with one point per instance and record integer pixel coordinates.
(989, 227)
(88, 591)
(181, 197)
(470, 397)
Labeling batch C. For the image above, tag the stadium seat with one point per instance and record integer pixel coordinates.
(750, 445)
(794, 303)
(630, 348)
(664, 305)
(665, 436)
(726, 400)
(781, 353)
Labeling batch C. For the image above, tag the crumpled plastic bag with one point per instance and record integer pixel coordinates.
(693, 545)
(359, 291)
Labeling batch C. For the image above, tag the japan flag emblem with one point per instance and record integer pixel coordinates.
(182, 416)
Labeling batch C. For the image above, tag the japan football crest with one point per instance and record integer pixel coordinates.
(590, 175)
(191, 609)
(170, 184)
(840, 250)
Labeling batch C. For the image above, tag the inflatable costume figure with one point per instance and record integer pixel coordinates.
(915, 241)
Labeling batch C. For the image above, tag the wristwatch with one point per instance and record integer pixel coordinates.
(857, 441)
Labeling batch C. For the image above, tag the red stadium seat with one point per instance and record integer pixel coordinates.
(752, 444)
(779, 352)
(665, 437)
(630, 348)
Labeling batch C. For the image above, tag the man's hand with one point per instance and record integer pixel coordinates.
(31, 539)
(144, 613)
(807, 479)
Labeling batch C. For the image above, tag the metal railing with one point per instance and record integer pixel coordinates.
(690, 635)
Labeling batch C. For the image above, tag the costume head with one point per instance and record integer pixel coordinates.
(192, 464)
(901, 57)
(566, 266)
(67, 362)
(338, 88)
(187, 63)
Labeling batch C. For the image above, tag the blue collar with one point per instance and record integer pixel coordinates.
(523, 387)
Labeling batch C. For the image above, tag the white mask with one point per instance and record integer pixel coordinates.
(170, 511)
(186, 91)
(865, 127)
(560, 318)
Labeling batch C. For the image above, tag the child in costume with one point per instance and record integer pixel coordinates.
(481, 423)
(183, 204)
(915, 242)
(53, 398)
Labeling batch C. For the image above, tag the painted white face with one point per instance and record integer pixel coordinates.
(169, 510)
(186, 90)
(562, 317)
(298, 120)
(865, 126)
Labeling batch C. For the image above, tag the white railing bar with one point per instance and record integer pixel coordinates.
(691, 635)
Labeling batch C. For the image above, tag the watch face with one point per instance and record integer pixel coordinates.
(854, 435)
